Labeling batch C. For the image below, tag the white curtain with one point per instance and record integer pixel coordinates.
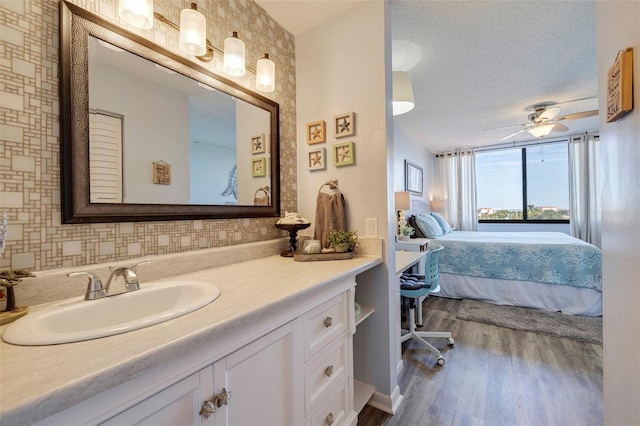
(458, 177)
(584, 191)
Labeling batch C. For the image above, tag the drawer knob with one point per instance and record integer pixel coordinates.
(330, 419)
(208, 408)
(328, 371)
(328, 321)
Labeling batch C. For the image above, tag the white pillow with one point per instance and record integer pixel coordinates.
(428, 225)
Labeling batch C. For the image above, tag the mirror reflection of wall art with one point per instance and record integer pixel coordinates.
(258, 166)
(258, 145)
(412, 178)
(316, 132)
(344, 154)
(344, 125)
(161, 173)
(317, 159)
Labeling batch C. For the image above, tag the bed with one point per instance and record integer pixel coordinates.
(544, 270)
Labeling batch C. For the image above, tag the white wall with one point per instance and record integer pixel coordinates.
(405, 147)
(618, 27)
(343, 65)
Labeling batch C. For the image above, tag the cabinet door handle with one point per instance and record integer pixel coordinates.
(328, 322)
(328, 371)
(330, 419)
(222, 398)
(207, 409)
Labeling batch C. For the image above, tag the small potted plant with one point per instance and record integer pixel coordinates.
(343, 241)
(406, 231)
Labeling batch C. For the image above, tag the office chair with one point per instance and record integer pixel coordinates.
(415, 286)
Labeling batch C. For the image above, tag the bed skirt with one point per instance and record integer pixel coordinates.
(550, 297)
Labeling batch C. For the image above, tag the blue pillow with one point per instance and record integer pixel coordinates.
(446, 228)
(428, 225)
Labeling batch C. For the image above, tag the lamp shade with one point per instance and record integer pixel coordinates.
(403, 200)
(193, 31)
(541, 131)
(437, 205)
(402, 93)
(233, 62)
(266, 75)
(138, 13)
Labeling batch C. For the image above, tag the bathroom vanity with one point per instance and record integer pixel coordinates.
(274, 348)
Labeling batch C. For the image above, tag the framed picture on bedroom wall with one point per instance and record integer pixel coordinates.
(413, 178)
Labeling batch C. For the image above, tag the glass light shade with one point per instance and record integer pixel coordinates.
(138, 13)
(233, 62)
(193, 31)
(402, 93)
(540, 131)
(266, 75)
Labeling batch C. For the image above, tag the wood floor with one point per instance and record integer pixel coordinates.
(495, 376)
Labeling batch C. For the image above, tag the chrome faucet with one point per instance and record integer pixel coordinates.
(94, 286)
(128, 274)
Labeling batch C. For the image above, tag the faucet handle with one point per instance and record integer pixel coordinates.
(94, 286)
(144, 262)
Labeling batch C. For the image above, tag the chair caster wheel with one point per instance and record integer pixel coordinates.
(450, 341)
(440, 361)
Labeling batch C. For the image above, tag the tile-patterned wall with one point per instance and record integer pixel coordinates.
(30, 136)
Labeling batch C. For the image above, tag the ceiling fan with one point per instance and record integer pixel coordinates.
(544, 119)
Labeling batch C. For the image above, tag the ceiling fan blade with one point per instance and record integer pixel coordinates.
(513, 134)
(559, 127)
(578, 115)
(549, 113)
(576, 100)
(506, 127)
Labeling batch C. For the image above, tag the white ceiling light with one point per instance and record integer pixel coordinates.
(138, 13)
(542, 130)
(402, 93)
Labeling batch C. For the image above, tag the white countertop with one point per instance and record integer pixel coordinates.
(406, 259)
(37, 381)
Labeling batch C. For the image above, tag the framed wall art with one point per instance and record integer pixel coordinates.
(344, 125)
(317, 159)
(258, 145)
(413, 178)
(161, 173)
(316, 132)
(258, 167)
(344, 154)
(620, 86)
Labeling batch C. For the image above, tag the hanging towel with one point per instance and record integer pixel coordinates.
(330, 214)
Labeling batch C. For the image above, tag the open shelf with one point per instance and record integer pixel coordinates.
(365, 311)
(362, 393)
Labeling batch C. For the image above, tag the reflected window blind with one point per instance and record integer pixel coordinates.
(105, 159)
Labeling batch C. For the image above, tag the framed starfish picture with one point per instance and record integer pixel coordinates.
(258, 166)
(318, 159)
(316, 132)
(344, 154)
(344, 125)
(258, 145)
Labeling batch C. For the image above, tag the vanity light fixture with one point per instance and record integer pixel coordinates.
(138, 13)
(193, 31)
(266, 75)
(541, 131)
(193, 40)
(233, 62)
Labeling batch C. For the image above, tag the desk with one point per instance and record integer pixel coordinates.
(414, 244)
(404, 261)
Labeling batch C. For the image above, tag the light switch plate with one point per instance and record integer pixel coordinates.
(371, 227)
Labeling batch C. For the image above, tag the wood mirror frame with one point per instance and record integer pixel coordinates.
(76, 24)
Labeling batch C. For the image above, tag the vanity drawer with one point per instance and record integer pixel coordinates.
(334, 410)
(324, 323)
(323, 372)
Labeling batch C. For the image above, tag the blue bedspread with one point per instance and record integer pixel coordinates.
(548, 257)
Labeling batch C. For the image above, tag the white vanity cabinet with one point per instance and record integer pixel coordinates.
(300, 373)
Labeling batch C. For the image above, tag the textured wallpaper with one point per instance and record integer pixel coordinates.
(30, 136)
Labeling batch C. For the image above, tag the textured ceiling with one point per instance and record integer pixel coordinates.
(480, 65)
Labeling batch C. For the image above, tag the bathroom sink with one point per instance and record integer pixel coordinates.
(76, 319)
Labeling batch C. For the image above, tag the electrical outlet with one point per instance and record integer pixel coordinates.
(371, 227)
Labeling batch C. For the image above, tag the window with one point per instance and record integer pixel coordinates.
(528, 184)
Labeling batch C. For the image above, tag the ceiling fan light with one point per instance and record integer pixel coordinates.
(402, 93)
(193, 31)
(541, 131)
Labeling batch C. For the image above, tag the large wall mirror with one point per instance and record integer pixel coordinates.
(149, 135)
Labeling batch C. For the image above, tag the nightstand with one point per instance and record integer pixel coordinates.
(414, 244)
